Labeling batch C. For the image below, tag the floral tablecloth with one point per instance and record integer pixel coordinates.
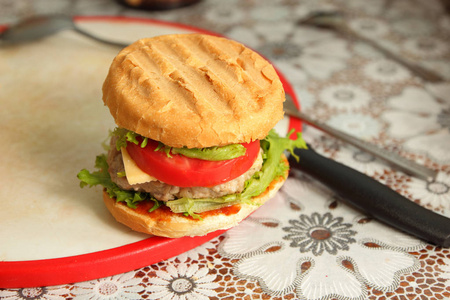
(305, 243)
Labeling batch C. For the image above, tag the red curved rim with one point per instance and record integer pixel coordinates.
(46, 272)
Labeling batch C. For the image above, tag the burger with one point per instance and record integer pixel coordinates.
(194, 150)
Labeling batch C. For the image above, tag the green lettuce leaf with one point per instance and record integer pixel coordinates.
(102, 178)
(212, 153)
(273, 147)
(209, 153)
(125, 136)
(192, 207)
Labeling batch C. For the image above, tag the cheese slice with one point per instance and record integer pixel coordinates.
(134, 174)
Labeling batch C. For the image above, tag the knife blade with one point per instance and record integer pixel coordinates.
(408, 166)
(374, 198)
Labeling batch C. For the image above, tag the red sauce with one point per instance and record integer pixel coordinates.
(229, 210)
(163, 213)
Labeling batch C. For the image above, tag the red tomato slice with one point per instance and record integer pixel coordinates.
(183, 171)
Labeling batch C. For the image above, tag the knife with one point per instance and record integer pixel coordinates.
(399, 162)
(375, 199)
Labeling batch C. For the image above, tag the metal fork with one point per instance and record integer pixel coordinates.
(397, 161)
(334, 20)
(42, 26)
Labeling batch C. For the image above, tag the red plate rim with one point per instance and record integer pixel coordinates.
(55, 271)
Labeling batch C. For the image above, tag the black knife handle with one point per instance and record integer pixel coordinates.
(374, 198)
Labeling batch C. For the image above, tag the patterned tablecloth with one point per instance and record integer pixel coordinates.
(305, 243)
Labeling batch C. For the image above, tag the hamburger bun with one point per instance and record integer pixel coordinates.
(194, 91)
(163, 222)
(190, 91)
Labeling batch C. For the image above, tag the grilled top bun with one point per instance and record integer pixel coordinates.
(193, 90)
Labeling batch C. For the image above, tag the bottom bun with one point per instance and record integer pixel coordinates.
(163, 222)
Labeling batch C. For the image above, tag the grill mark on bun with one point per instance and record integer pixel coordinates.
(201, 64)
(157, 64)
(230, 74)
(247, 79)
(224, 76)
(188, 77)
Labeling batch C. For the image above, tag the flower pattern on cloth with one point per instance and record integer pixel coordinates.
(123, 286)
(318, 233)
(345, 96)
(303, 244)
(434, 195)
(426, 47)
(332, 251)
(194, 254)
(423, 127)
(359, 125)
(446, 268)
(182, 282)
(362, 161)
(369, 27)
(386, 71)
(41, 293)
(299, 52)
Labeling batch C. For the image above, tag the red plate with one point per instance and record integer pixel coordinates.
(98, 264)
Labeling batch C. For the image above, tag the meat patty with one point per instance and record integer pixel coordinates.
(166, 192)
